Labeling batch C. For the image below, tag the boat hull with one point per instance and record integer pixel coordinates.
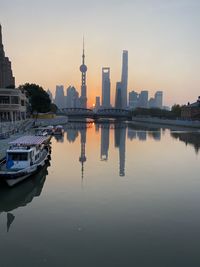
(13, 178)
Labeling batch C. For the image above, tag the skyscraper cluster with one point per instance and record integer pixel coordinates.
(70, 99)
(121, 87)
(142, 100)
(7, 79)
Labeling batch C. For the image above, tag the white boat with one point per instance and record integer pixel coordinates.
(50, 130)
(25, 156)
(59, 130)
(41, 132)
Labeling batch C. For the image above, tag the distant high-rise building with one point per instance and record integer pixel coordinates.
(159, 99)
(118, 95)
(133, 100)
(152, 103)
(50, 95)
(124, 79)
(59, 97)
(106, 87)
(7, 79)
(97, 104)
(72, 98)
(83, 70)
(143, 99)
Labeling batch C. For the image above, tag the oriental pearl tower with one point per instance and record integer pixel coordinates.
(83, 70)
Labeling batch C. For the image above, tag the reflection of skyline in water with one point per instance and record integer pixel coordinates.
(21, 195)
(105, 138)
(191, 138)
(120, 143)
(121, 132)
(82, 157)
(74, 129)
(142, 132)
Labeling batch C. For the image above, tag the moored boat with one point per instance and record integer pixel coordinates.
(41, 132)
(50, 130)
(59, 130)
(25, 156)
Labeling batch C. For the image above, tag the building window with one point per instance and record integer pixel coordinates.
(15, 100)
(4, 100)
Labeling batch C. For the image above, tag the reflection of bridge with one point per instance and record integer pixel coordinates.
(101, 113)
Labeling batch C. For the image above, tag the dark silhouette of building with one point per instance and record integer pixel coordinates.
(60, 97)
(191, 111)
(83, 70)
(143, 99)
(97, 103)
(133, 100)
(7, 79)
(106, 88)
(118, 95)
(72, 98)
(124, 79)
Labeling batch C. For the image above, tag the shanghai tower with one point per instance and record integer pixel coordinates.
(124, 80)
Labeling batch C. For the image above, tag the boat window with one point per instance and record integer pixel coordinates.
(18, 156)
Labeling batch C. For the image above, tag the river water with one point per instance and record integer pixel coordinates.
(113, 195)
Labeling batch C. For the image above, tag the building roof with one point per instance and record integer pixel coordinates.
(30, 140)
(194, 105)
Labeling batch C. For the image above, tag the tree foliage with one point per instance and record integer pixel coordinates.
(159, 113)
(176, 110)
(38, 98)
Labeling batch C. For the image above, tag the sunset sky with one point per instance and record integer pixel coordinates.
(43, 39)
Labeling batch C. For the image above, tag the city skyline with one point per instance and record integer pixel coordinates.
(161, 38)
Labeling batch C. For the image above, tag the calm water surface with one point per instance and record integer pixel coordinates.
(113, 196)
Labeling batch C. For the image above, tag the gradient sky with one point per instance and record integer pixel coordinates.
(43, 39)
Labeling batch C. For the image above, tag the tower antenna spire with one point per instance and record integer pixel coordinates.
(83, 50)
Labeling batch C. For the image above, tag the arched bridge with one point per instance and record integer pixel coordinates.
(101, 113)
(78, 112)
(112, 113)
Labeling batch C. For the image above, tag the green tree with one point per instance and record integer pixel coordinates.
(176, 110)
(38, 98)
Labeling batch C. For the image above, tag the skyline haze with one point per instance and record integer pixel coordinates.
(44, 44)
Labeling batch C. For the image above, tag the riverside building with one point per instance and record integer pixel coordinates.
(13, 103)
(7, 79)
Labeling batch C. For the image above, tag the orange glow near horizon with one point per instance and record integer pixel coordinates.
(162, 40)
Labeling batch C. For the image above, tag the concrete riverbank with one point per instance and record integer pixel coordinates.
(180, 123)
(10, 132)
(59, 120)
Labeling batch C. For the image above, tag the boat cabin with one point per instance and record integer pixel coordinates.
(25, 152)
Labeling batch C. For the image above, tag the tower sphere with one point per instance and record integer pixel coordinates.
(83, 68)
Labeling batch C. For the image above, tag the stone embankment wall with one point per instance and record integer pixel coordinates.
(59, 120)
(7, 128)
(182, 123)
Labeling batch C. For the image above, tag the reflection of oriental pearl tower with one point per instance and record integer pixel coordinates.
(83, 69)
